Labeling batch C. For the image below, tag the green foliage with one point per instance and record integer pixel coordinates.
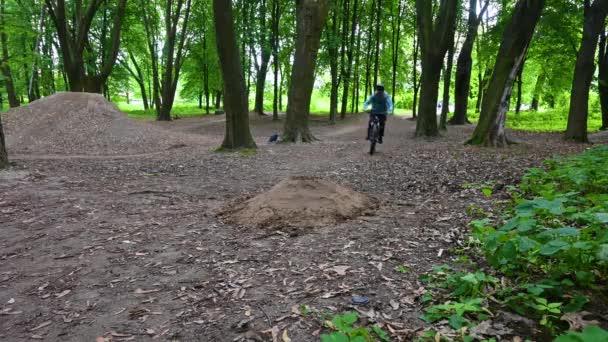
(589, 334)
(346, 331)
(553, 120)
(559, 230)
(551, 242)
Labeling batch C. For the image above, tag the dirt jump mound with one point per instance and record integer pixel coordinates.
(300, 202)
(82, 124)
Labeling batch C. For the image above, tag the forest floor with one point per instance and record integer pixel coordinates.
(127, 247)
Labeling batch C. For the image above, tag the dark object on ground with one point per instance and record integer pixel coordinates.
(360, 300)
(273, 138)
(219, 112)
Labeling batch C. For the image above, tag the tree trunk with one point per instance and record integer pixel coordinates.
(74, 40)
(415, 69)
(310, 19)
(435, 38)
(538, 88)
(490, 130)
(276, 10)
(377, 48)
(218, 100)
(447, 82)
(396, 35)
(332, 51)
(369, 49)
(520, 84)
(3, 154)
(585, 68)
(265, 55)
(350, 55)
(464, 65)
(13, 100)
(602, 80)
(237, 134)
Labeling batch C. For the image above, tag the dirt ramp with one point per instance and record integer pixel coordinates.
(84, 124)
(300, 202)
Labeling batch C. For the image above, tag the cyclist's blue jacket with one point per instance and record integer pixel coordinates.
(377, 106)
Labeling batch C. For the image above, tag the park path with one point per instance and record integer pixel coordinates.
(130, 248)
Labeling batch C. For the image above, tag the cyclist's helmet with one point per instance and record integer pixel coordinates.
(379, 87)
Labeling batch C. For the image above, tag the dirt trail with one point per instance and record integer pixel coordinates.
(130, 247)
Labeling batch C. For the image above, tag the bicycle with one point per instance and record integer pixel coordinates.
(374, 134)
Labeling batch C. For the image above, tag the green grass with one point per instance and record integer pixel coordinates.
(179, 109)
(554, 120)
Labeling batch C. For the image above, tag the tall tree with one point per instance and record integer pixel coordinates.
(464, 65)
(538, 88)
(595, 15)
(395, 39)
(73, 30)
(265, 51)
(435, 38)
(237, 134)
(602, 79)
(3, 154)
(347, 73)
(516, 38)
(176, 33)
(9, 83)
(276, 16)
(447, 82)
(310, 19)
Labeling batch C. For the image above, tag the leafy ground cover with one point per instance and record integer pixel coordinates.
(545, 256)
(551, 120)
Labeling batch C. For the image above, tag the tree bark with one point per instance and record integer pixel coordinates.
(602, 80)
(172, 57)
(415, 69)
(13, 100)
(276, 10)
(435, 38)
(237, 133)
(377, 48)
(3, 154)
(520, 83)
(310, 19)
(332, 51)
(538, 89)
(447, 82)
(265, 55)
(585, 68)
(74, 41)
(490, 130)
(350, 55)
(464, 65)
(369, 49)
(396, 37)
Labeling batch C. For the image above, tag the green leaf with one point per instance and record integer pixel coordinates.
(335, 337)
(553, 247)
(382, 335)
(602, 253)
(345, 322)
(602, 217)
(457, 322)
(590, 334)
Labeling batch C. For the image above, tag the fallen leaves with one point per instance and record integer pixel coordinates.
(42, 325)
(142, 291)
(577, 321)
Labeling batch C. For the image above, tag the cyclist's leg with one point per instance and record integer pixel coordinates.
(382, 119)
(369, 126)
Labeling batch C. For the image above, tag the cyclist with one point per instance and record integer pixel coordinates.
(382, 105)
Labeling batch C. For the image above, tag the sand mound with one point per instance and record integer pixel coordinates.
(82, 123)
(300, 202)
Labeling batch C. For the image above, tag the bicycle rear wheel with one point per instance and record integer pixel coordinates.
(374, 138)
